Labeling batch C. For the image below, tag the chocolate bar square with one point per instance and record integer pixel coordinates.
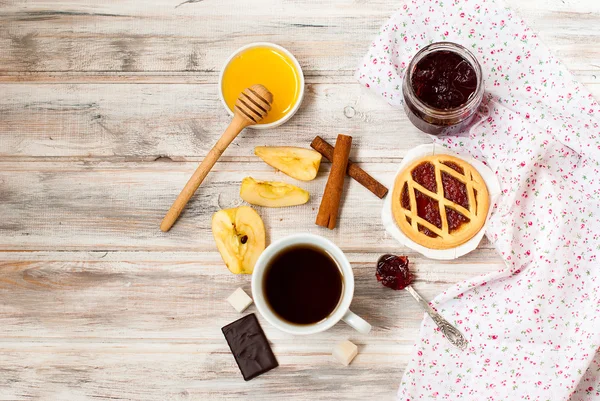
(249, 346)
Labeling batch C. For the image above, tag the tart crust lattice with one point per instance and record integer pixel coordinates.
(440, 201)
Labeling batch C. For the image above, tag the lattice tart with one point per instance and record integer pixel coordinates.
(440, 201)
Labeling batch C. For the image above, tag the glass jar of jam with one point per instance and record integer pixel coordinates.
(442, 88)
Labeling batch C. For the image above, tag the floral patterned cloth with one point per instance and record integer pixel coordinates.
(534, 326)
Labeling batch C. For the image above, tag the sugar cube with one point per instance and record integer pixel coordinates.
(345, 352)
(239, 300)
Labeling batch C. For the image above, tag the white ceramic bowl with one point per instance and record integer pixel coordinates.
(300, 74)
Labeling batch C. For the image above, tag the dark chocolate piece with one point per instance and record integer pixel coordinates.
(249, 346)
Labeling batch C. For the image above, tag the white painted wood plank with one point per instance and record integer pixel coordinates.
(124, 36)
(182, 295)
(327, 37)
(146, 325)
(193, 371)
(146, 121)
(119, 206)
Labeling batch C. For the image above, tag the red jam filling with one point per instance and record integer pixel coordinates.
(429, 210)
(454, 167)
(444, 80)
(455, 190)
(392, 271)
(424, 174)
(427, 231)
(405, 197)
(455, 219)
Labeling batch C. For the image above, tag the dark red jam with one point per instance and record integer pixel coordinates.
(442, 88)
(392, 271)
(405, 197)
(424, 174)
(428, 209)
(454, 167)
(455, 219)
(444, 80)
(455, 190)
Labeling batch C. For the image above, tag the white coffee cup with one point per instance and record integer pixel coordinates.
(341, 312)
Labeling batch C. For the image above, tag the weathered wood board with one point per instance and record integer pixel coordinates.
(106, 109)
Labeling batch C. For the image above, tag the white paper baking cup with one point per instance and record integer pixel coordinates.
(440, 254)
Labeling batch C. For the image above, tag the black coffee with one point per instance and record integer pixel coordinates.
(303, 284)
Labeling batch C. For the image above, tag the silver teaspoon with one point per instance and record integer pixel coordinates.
(452, 333)
(392, 272)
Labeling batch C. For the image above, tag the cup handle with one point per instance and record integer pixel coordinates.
(356, 322)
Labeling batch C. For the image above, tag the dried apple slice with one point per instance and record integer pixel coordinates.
(272, 193)
(240, 237)
(299, 163)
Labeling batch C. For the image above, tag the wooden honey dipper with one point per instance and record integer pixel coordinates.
(251, 107)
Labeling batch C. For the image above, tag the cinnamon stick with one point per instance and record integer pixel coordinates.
(330, 204)
(360, 175)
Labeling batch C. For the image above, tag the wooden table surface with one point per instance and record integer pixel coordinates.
(105, 110)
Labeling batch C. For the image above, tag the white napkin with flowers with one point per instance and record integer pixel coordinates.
(534, 326)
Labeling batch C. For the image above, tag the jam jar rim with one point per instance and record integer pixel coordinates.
(424, 108)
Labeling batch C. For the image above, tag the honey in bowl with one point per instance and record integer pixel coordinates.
(267, 66)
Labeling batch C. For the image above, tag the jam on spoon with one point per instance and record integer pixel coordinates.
(392, 271)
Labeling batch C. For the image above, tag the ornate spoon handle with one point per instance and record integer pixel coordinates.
(451, 332)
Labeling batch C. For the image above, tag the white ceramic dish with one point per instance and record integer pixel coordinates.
(300, 75)
(440, 254)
